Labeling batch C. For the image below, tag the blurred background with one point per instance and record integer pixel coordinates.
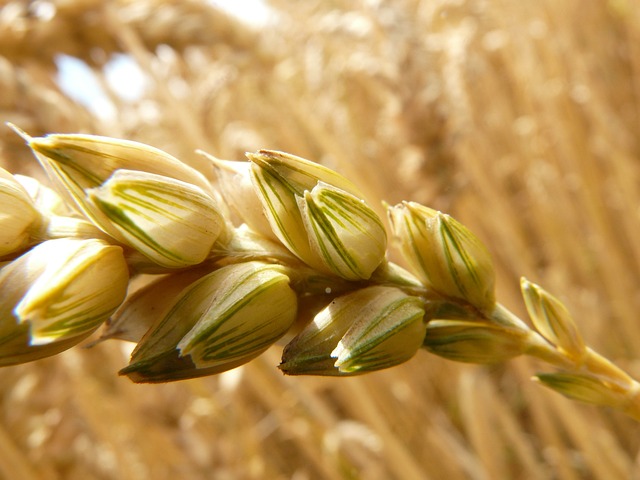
(521, 118)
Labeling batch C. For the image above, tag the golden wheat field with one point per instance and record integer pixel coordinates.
(521, 118)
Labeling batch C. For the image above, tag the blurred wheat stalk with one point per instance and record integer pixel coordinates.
(520, 118)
